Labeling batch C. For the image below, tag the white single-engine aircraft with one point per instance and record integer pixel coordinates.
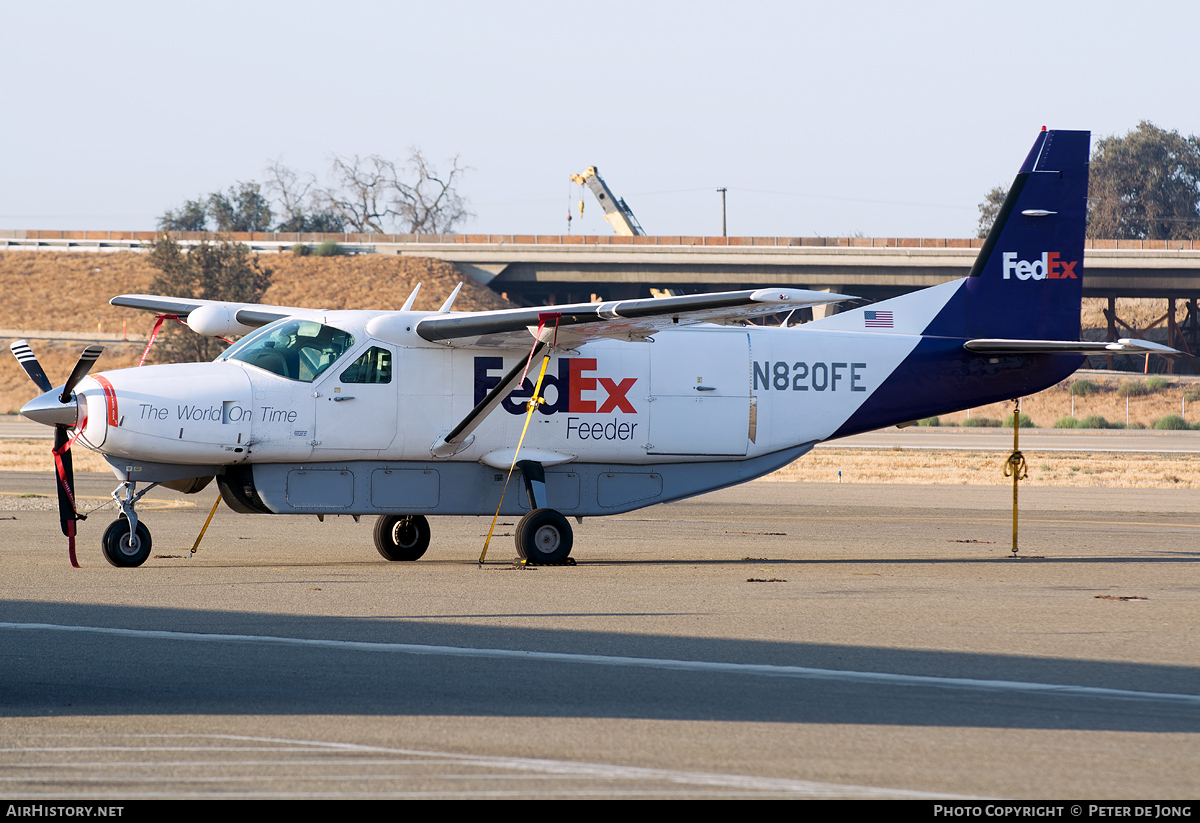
(406, 414)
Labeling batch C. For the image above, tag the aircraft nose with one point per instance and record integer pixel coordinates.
(47, 410)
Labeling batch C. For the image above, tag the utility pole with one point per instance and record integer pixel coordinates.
(723, 190)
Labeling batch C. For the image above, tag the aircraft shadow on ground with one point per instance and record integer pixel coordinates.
(54, 673)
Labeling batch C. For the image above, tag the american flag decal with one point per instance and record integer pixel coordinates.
(877, 319)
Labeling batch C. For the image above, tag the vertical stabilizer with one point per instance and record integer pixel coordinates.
(1027, 281)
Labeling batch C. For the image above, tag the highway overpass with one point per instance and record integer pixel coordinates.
(536, 269)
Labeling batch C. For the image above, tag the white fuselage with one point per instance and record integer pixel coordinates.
(697, 393)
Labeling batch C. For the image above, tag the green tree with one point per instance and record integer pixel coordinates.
(191, 216)
(222, 271)
(243, 209)
(989, 209)
(1145, 185)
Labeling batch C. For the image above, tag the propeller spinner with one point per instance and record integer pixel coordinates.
(60, 409)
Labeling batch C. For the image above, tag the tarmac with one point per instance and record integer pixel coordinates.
(792, 640)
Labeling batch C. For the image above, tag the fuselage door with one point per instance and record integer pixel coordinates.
(356, 403)
(700, 385)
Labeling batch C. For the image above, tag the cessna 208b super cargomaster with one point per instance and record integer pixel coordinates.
(406, 414)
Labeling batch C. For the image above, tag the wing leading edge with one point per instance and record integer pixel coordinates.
(632, 320)
(248, 314)
(620, 320)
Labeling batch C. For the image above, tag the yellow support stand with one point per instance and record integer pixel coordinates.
(1015, 467)
(199, 537)
(533, 404)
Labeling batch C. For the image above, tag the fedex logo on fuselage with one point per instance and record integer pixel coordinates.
(1046, 267)
(575, 386)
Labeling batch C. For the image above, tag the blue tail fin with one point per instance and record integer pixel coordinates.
(1027, 281)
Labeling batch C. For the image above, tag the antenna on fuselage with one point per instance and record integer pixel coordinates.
(408, 304)
(450, 300)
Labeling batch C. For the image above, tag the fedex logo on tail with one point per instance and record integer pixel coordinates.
(574, 387)
(1046, 267)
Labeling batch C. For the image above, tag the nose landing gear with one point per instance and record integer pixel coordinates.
(126, 542)
(123, 547)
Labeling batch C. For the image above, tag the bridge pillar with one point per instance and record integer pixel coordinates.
(829, 309)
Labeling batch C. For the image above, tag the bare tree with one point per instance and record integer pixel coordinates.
(361, 191)
(291, 192)
(370, 192)
(432, 205)
(300, 201)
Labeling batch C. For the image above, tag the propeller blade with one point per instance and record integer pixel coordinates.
(26, 357)
(66, 482)
(82, 367)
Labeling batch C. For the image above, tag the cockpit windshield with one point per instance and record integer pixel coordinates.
(295, 349)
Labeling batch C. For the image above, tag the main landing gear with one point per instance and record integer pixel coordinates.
(543, 536)
(126, 542)
(402, 537)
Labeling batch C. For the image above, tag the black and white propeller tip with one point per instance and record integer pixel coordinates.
(61, 411)
(28, 360)
(53, 407)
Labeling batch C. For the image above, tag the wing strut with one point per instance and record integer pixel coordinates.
(534, 402)
(460, 434)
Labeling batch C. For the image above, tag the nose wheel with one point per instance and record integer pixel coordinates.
(125, 548)
(126, 541)
(544, 536)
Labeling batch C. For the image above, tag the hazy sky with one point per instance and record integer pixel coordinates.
(889, 119)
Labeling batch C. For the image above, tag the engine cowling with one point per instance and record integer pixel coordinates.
(218, 320)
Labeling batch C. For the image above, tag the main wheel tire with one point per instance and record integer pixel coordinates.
(120, 550)
(544, 536)
(402, 537)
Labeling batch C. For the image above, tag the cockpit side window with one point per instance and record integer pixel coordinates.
(295, 349)
(375, 366)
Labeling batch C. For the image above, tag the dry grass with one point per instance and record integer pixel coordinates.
(1107, 470)
(1045, 408)
(69, 291)
(35, 455)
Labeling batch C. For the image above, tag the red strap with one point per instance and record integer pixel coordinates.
(158, 321)
(62, 478)
(71, 543)
(543, 317)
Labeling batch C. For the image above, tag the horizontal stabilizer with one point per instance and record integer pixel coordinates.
(1123, 346)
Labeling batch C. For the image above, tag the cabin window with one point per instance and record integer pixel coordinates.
(295, 349)
(375, 366)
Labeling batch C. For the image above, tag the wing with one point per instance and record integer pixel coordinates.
(620, 320)
(218, 317)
